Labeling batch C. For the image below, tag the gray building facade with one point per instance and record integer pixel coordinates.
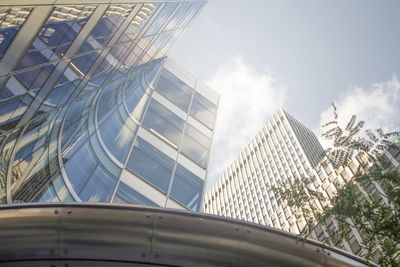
(282, 151)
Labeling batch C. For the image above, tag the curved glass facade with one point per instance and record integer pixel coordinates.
(91, 110)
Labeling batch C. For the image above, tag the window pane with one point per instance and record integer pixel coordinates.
(109, 24)
(34, 79)
(136, 102)
(12, 109)
(161, 18)
(170, 41)
(61, 92)
(177, 16)
(61, 190)
(127, 195)
(75, 123)
(135, 94)
(100, 186)
(187, 188)
(11, 20)
(164, 122)
(152, 165)
(83, 63)
(134, 81)
(197, 136)
(117, 136)
(64, 25)
(190, 15)
(196, 146)
(139, 22)
(152, 71)
(57, 34)
(108, 98)
(80, 166)
(99, 78)
(203, 110)
(161, 38)
(174, 89)
(49, 195)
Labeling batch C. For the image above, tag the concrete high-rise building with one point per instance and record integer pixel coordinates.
(281, 153)
(284, 150)
(92, 110)
(392, 154)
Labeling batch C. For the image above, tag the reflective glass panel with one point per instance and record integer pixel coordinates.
(196, 145)
(127, 195)
(118, 51)
(12, 109)
(99, 78)
(196, 135)
(170, 41)
(37, 178)
(12, 87)
(11, 19)
(39, 53)
(193, 11)
(34, 79)
(187, 188)
(32, 144)
(75, 123)
(49, 195)
(203, 110)
(61, 190)
(160, 120)
(151, 164)
(64, 25)
(136, 102)
(161, 38)
(100, 186)
(109, 23)
(152, 72)
(177, 16)
(103, 158)
(174, 89)
(161, 18)
(72, 138)
(133, 82)
(141, 20)
(80, 167)
(117, 136)
(83, 63)
(61, 92)
(57, 34)
(108, 99)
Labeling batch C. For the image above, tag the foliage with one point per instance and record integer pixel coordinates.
(348, 141)
(375, 215)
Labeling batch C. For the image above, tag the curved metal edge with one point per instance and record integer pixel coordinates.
(326, 253)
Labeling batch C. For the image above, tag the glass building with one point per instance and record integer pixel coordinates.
(92, 110)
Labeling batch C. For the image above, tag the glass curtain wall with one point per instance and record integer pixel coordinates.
(91, 110)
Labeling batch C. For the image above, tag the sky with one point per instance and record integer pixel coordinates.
(262, 55)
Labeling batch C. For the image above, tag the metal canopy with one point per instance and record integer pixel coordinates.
(120, 235)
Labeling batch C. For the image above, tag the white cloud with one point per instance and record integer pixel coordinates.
(247, 100)
(378, 106)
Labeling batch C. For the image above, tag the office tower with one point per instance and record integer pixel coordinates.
(45, 46)
(92, 110)
(282, 152)
(392, 154)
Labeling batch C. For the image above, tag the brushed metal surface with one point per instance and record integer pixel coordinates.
(95, 234)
